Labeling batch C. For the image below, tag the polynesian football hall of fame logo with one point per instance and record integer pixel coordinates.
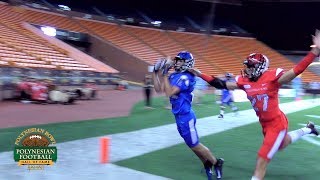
(34, 148)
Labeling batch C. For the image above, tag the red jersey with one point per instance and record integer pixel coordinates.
(263, 94)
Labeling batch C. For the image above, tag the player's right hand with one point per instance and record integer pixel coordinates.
(195, 71)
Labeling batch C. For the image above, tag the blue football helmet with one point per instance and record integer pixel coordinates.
(188, 61)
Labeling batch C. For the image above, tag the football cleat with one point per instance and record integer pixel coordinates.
(209, 173)
(218, 168)
(313, 128)
(220, 116)
(208, 168)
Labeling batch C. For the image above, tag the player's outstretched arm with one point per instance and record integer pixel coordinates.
(214, 81)
(304, 63)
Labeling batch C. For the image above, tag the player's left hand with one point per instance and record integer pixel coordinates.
(167, 66)
(159, 64)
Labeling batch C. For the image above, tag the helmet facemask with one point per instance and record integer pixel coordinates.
(254, 66)
(228, 76)
(185, 65)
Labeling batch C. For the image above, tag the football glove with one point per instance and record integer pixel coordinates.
(167, 66)
(159, 65)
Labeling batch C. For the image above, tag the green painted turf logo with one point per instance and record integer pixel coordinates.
(34, 148)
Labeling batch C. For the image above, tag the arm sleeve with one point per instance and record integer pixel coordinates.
(304, 63)
(215, 82)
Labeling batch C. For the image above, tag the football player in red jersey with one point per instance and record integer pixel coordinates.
(261, 86)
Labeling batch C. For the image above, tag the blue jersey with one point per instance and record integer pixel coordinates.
(181, 107)
(181, 102)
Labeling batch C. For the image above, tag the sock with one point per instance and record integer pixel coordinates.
(234, 108)
(254, 178)
(207, 164)
(297, 134)
(222, 110)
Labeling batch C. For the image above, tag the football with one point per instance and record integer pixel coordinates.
(35, 141)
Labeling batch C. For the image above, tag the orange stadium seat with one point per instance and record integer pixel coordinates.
(32, 48)
(118, 36)
(214, 54)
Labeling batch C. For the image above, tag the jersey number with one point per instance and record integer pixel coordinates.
(261, 98)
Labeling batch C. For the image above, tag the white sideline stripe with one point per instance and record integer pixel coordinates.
(311, 140)
(314, 116)
(79, 159)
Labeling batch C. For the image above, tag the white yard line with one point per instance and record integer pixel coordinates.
(79, 159)
(314, 116)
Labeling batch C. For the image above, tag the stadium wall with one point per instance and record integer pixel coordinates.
(131, 67)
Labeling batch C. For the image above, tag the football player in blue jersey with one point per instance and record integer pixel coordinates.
(227, 97)
(178, 86)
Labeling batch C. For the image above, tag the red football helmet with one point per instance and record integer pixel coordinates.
(255, 65)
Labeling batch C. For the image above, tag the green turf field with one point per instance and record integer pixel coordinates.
(238, 147)
(138, 119)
